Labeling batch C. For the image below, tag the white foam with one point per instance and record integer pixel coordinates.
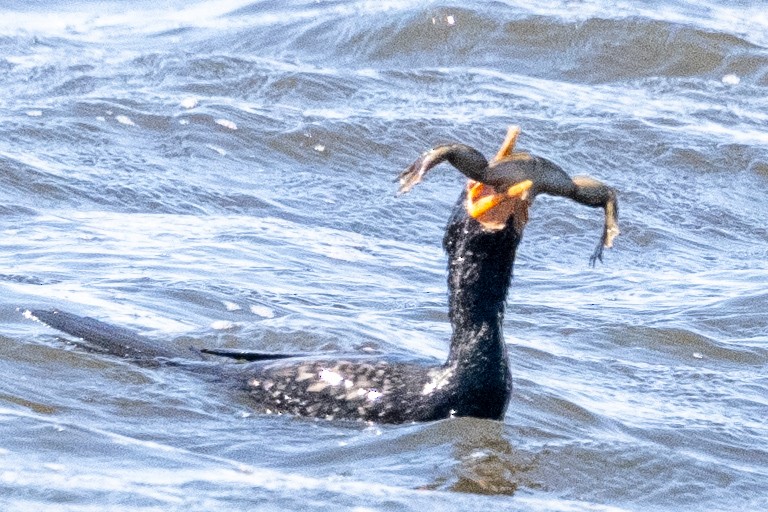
(124, 120)
(262, 311)
(231, 306)
(226, 123)
(217, 149)
(189, 103)
(222, 325)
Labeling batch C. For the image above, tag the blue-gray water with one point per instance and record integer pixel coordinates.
(221, 174)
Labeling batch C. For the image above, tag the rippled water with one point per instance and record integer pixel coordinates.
(221, 174)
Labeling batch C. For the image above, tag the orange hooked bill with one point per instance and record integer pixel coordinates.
(493, 209)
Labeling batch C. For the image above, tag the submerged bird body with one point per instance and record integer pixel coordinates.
(474, 381)
(481, 240)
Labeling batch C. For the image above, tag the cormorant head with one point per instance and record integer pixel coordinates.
(494, 209)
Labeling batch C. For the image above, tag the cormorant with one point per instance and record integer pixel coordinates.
(480, 240)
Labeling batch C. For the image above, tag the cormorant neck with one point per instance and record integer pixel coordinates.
(479, 272)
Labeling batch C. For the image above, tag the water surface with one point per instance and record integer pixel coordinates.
(220, 174)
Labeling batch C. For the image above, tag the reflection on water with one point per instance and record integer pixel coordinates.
(485, 461)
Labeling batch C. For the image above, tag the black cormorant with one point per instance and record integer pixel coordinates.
(480, 240)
